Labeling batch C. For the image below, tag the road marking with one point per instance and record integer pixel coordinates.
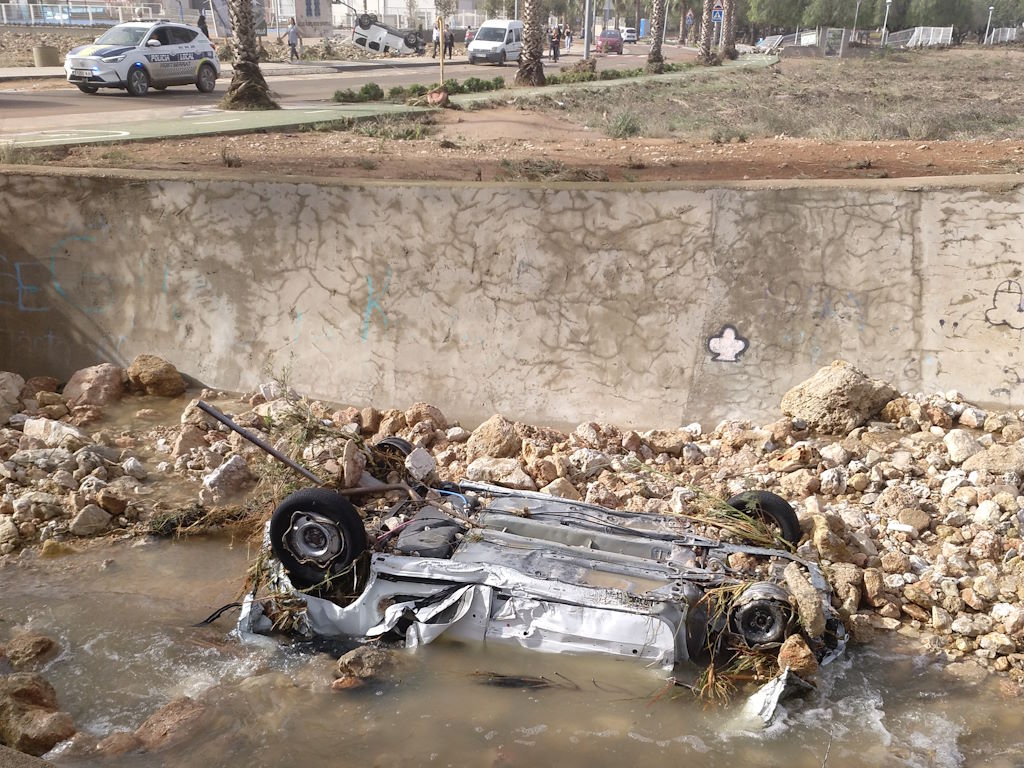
(68, 135)
(215, 122)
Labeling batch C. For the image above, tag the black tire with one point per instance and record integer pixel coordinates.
(771, 507)
(396, 446)
(137, 82)
(206, 78)
(159, 87)
(364, 21)
(316, 534)
(86, 88)
(411, 39)
(501, 59)
(373, 18)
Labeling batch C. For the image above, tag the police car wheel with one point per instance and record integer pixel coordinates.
(364, 21)
(206, 79)
(137, 82)
(86, 88)
(411, 40)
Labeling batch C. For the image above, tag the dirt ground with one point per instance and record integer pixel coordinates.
(912, 114)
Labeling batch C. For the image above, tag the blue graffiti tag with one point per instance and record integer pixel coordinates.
(373, 303)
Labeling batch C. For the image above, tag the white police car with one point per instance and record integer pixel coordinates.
(137, 55)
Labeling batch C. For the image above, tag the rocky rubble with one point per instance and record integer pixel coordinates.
(912, 503)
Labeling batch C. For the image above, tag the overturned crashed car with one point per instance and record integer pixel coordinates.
(483, 563)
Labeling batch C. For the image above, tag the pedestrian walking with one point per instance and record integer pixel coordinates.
(201, 23)
(294, 40)
(568, 39)
(556, 40)
(437, 39)
(449, 41)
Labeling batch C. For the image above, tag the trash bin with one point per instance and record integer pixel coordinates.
(45, 56)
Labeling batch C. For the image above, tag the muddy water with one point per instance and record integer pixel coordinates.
(123, 613)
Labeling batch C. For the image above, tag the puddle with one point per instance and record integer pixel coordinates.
(123, 614)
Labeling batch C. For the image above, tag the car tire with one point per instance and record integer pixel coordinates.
(206, 78)
(308, 526)
(137, 82)
(772, 508)
(411, 40)
(501, 59)
(396, 446)
(159, 87)
(364, 21)
(86, 88)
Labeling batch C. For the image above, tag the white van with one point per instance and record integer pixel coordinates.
(497, 41)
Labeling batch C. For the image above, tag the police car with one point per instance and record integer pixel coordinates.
(143, 54)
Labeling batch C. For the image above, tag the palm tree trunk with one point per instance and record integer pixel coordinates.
(655, 61)
(248, 89)
(682, 24)
(531, 61)
(707, 31)
(729, 30)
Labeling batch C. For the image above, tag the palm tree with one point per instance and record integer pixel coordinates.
(655, 61)
(248, 89)
(706, 33)
(729, 30)
(531, 60)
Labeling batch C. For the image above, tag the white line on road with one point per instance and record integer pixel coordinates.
(215, 122)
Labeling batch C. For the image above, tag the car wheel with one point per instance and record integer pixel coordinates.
(501, 59)
(206, 78)
(316, 534)
(771, 508)
(86, 88)
(394, 446)
(159, 87)
(137, 82)
(411, 40)
(364, 21)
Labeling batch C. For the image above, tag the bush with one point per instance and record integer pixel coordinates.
(624, 125)
(371, 92)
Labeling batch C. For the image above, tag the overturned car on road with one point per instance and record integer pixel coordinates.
(483, 563)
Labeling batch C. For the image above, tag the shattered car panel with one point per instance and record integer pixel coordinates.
(492, 565)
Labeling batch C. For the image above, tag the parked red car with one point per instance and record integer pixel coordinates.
(610, 41)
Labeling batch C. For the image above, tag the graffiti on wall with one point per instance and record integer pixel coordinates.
(727, 346)
(1007, 305)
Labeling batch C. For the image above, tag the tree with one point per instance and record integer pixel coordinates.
(777, 13)
(729, 30)
(248, 89)
(706, 31)
(445, 8)
(655, 61)
(531, 60)
(411, 7)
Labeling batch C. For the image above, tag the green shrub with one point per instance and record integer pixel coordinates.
(397, 93)
(371, 92)
(624, 125)
(416, 90)
(498, 83)
(453, 87)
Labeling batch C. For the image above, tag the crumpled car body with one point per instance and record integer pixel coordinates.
(492, 565)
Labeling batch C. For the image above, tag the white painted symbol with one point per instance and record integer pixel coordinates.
(727, 346)
(1007, 305)
(46, 137)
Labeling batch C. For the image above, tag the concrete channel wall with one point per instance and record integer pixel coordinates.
(640, 305)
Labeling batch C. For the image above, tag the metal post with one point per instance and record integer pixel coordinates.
(587, 12)
(796, 35)
(885, 24)
(3, 11)
(515, 14)
(440, 33)
(989, 24)
(856, 15)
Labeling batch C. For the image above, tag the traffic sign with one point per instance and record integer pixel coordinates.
(716, 15)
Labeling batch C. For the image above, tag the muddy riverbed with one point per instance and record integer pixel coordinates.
(122, 614)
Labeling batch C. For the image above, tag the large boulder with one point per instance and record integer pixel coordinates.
(29, 719)
(10, 390)
(997, 460)
(226, 481)
(90, 521)
(97, 385)
(497, 437)
(506, 472)
(56, 434)
(837, 399)
(29, 648)
(155, 376)
(170, 723)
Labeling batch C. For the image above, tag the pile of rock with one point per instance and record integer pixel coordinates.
(30, 719)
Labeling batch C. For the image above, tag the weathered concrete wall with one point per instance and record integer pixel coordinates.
(641, 306)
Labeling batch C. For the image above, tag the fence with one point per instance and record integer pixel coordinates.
(77, 13)
(919, 37)
(1004, 35)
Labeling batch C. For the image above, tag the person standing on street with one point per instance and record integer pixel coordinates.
(294, 40)
(568, 39)
(449, 41)
(437, 39)
(201, 23)
(556, 41)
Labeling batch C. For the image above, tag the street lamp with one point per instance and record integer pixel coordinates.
(885, 24)
(989, 24)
